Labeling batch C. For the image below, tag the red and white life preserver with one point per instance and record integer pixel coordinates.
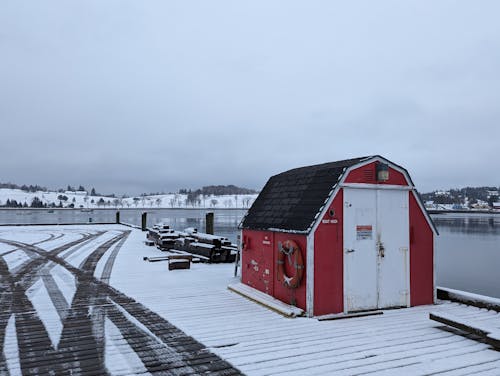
(291, 250)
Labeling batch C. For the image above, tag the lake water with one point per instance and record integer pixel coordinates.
(225, 223)
(467, 250)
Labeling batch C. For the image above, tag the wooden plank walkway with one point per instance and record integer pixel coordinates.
(490, 335)
(259, 341)
(98, 327)
(147, 319)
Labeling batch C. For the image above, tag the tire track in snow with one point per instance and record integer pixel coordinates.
(5, 309)
(13, 297)
(106, 273)
(76, 314)
(51, 237)
(81, 350)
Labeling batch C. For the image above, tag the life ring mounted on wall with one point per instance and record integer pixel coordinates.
(291, 250)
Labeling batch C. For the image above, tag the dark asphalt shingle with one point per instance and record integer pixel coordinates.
(291, 200)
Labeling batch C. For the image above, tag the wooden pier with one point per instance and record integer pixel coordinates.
(144, 318)
(100, 330)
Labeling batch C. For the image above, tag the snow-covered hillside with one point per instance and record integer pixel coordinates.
(83, 200)
(177, 200)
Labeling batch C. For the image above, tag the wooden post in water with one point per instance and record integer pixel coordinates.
(209, 223)
(144, 219)
(118, 217)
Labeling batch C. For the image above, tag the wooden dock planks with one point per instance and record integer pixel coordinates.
(159, 315)
(82, 348)
(488, 334)
(261, 342)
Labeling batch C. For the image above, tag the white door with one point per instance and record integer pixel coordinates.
(392, 243)
(376, 240)
(360, 258)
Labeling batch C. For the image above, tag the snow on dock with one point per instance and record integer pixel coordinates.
(488, 334)
(266, 300)
(59, 316)
(188, 322)
(469, 298)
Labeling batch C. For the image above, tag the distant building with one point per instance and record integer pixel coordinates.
(492, 194)
(430, 205)
(480, 205)
(496, 205)
(77, 193)
(442, 193)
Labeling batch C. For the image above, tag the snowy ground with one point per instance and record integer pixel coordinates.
(58, 315)
(253, 339)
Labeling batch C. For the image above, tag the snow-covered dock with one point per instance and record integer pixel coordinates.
(141, 318)
(58, 314)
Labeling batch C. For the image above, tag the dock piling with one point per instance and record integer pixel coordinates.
(209, 223)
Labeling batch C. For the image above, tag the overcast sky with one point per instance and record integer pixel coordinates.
(141, 96)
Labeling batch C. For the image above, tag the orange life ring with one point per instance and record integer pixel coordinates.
(290, 249)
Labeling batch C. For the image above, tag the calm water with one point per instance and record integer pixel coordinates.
(225, 223)
(467, 250)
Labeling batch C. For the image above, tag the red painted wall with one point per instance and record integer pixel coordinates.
(259, 265)
(421, 256)
(328, 261)
(257, 261)
(367, 174)
(298, 295)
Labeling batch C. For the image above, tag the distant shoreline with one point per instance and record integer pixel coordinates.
(463, 211)
(431, 211)
(120, 209)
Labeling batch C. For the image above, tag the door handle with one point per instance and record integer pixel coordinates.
(381, 249)
(350, 250)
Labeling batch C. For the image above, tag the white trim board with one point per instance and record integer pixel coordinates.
(376, 186)
(265, 300)
(310, 275)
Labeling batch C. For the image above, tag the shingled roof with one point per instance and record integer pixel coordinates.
(291, 200)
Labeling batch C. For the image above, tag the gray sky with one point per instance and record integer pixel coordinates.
(140, 96)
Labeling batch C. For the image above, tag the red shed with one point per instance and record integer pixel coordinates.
(340, 237)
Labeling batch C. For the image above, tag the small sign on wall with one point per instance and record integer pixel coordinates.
(329, 221)
(364, 232)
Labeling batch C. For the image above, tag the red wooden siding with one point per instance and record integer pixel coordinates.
(367, 174)
(284, 293)
(259, 265)
(421, 256)
(257, 261)
(328, 261)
